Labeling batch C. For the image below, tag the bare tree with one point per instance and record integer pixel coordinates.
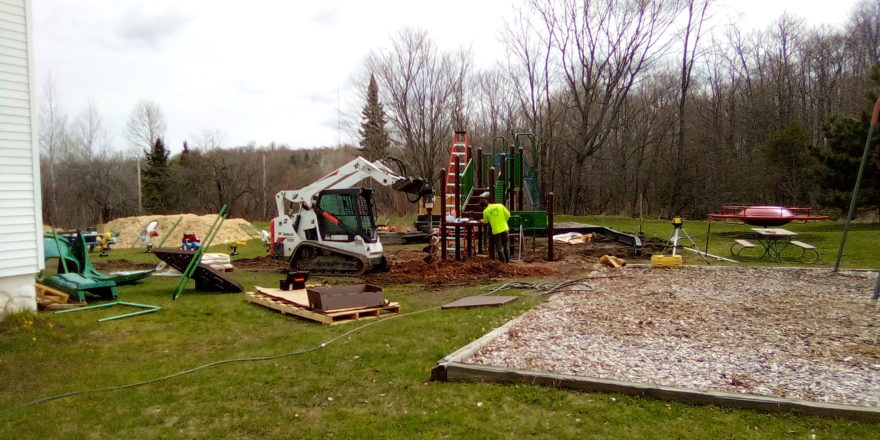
(423, 90)
(90, 135)
(145, 125)
(690, 37)
(530, 68)
(210, 139)
(604, 47)
(55, 142)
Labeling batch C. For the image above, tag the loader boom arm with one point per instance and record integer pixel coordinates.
(343, 177)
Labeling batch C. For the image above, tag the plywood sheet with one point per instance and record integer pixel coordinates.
(480, 301)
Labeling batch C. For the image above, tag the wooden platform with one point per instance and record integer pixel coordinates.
(295, 302)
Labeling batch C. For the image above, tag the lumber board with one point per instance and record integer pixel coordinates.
(328, 318)
(51, 293)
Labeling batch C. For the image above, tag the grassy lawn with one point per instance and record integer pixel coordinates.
(370, 384)
(862, 248)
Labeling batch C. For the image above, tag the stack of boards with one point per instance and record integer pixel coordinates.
(296, 302)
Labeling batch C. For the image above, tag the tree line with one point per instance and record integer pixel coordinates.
(647, 106)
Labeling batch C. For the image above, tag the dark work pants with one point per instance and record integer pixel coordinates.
(501, 242)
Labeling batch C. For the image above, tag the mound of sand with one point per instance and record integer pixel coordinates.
(130, 228)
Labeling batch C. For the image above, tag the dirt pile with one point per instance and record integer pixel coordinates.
(130, 228)
(450, 272)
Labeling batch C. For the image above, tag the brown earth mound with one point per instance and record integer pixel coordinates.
(450, 272)
(129, 228)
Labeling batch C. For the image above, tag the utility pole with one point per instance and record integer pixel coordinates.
(140, 197)
(264, 185)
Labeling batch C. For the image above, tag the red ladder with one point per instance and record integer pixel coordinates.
(461, 148)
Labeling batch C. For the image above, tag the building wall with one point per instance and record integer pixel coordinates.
(21, 253)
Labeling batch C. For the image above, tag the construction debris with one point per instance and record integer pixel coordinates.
(296, 302)
(53, 299)
(207, 278)
(612, 261)
(218, 261)
(573, 238)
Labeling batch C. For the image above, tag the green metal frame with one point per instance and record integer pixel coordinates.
(530, 220)
(197, 258)
(148, 309)
(167, 234)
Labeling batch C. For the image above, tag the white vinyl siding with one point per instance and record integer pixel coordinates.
(21, 250)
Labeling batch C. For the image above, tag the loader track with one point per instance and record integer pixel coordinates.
(319, 259)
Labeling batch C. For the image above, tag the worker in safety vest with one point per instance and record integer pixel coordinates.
(496, 215)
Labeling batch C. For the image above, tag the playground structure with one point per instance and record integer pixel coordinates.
(766, 216)
(76, 276)
(502, 176)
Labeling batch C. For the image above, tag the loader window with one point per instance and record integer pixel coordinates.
(347, 213)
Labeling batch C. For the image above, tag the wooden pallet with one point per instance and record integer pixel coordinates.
(329, 318)
(49, 298)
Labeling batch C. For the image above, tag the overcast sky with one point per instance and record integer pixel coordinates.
(262, 71)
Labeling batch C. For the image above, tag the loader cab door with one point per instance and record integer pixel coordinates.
(346, 213)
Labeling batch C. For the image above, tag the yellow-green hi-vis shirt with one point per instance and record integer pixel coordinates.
(496, 215)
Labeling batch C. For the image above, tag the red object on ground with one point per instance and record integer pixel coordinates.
(766, 215)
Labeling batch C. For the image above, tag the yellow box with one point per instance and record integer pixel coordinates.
(666, 260)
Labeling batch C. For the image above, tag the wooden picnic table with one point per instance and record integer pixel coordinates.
(774, 241)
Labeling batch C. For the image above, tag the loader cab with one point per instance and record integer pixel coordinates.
(346, 213)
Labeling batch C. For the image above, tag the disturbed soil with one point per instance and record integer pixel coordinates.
(451, 273)
(123, 264)
(794, 333)
(407, 265)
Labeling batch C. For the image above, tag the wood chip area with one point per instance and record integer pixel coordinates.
(792, 333)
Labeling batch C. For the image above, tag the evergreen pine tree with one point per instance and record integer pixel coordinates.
(157, 179)
(839, 163)
(374, 139)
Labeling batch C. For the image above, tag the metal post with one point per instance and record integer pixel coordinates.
(140, 196)
(522, 177)
(511, 178)
(708, 230)
(479, 169)
(457, 207)
(479, 184)
(468, 245)
(875, 120)
(550, 226)
(167, 234)
(877, 289)
(443, 214)
(197, 256)
(490, 248)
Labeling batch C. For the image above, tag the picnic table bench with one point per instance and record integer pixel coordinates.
(774, 241)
